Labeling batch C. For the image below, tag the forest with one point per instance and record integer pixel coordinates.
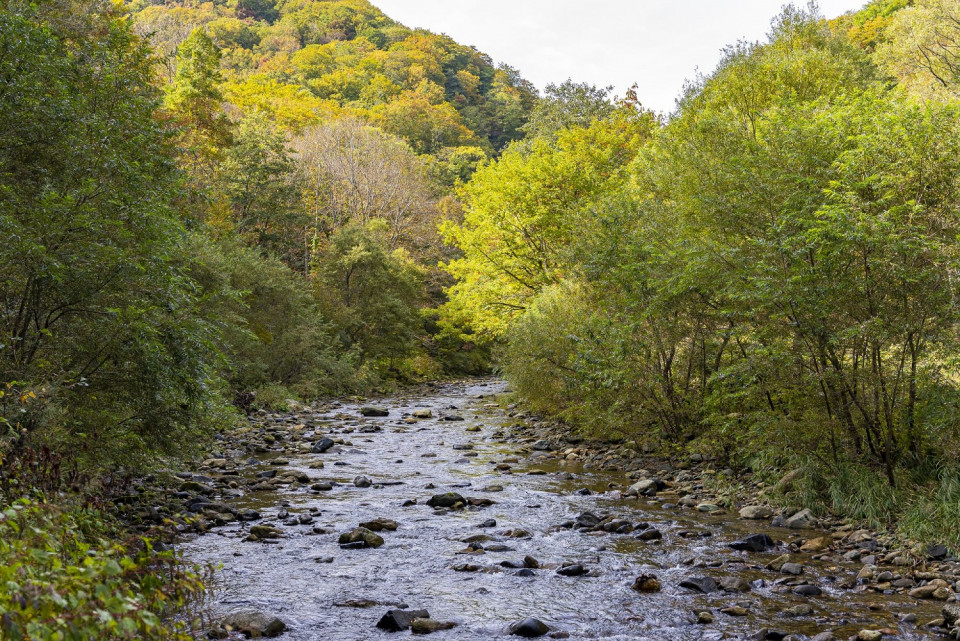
(213, 207)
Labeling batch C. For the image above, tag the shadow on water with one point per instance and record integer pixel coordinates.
(415, 566)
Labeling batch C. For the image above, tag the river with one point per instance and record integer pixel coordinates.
(312, 584)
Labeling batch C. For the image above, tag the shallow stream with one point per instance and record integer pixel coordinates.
(295, 579)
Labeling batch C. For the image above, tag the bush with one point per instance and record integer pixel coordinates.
(64, 579)
(273, 330)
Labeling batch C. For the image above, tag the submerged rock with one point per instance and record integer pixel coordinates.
(529, 628)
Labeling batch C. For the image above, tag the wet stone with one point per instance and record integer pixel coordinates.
(449, 499)
(753, 543)
(529, 628)
(807, 590)
(399, 620)
(322, 446)
(574, 569)
(703, 584)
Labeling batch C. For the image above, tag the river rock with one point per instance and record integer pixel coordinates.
(938, 552)
(734, 584)
(399, 620)
(253, 623)
(792, 568)
(380, 524)
(807, 590)
(529, 628)
(422, 414)
(265, 532)
(756, 512)
(429, 626)
(322, 486)
(703, 584)
(650, 534)
(374, 410)
(449, 499)
(587, 520)
(361, 534)
(802, 520)
(574, 569)
(936, 589)
(869, 635)
(322, 445)
(362, 481)
(816, 545)
(646, 583)
(753, 543)
(645, 487)
(735, 611)
(951, 614)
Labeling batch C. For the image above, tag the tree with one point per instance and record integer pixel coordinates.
(921, 48)
(567, 105)
(371, 293)
(258, 181)
(195, 100)
(96, 321)
(357, 174)
(523, 211)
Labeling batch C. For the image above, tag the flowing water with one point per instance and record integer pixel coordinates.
(406, 461)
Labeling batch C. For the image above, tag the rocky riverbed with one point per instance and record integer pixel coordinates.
(440, 512)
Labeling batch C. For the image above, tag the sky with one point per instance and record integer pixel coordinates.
(656, 43)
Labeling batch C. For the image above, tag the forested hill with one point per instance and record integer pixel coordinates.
(303, 61)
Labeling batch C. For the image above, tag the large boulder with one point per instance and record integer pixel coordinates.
(361, 534)
(756, 512)
(753, 543)
(253, 623)
(449, 499)
(398, 620)
(374, 410)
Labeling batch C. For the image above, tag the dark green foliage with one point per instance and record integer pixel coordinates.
(372, 294)
(271, 327)
(96, 322)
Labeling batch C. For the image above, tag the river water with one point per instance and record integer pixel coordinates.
(294, 578)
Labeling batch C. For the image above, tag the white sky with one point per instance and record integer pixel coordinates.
(656, 43)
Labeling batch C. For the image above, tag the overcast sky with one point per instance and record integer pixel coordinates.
(655, 43)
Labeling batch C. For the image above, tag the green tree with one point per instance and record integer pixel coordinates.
(372, 294)
(523, 211)
(195, 99)
(259, 183)
(97, 324)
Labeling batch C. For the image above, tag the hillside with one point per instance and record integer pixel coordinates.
(303, 61)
